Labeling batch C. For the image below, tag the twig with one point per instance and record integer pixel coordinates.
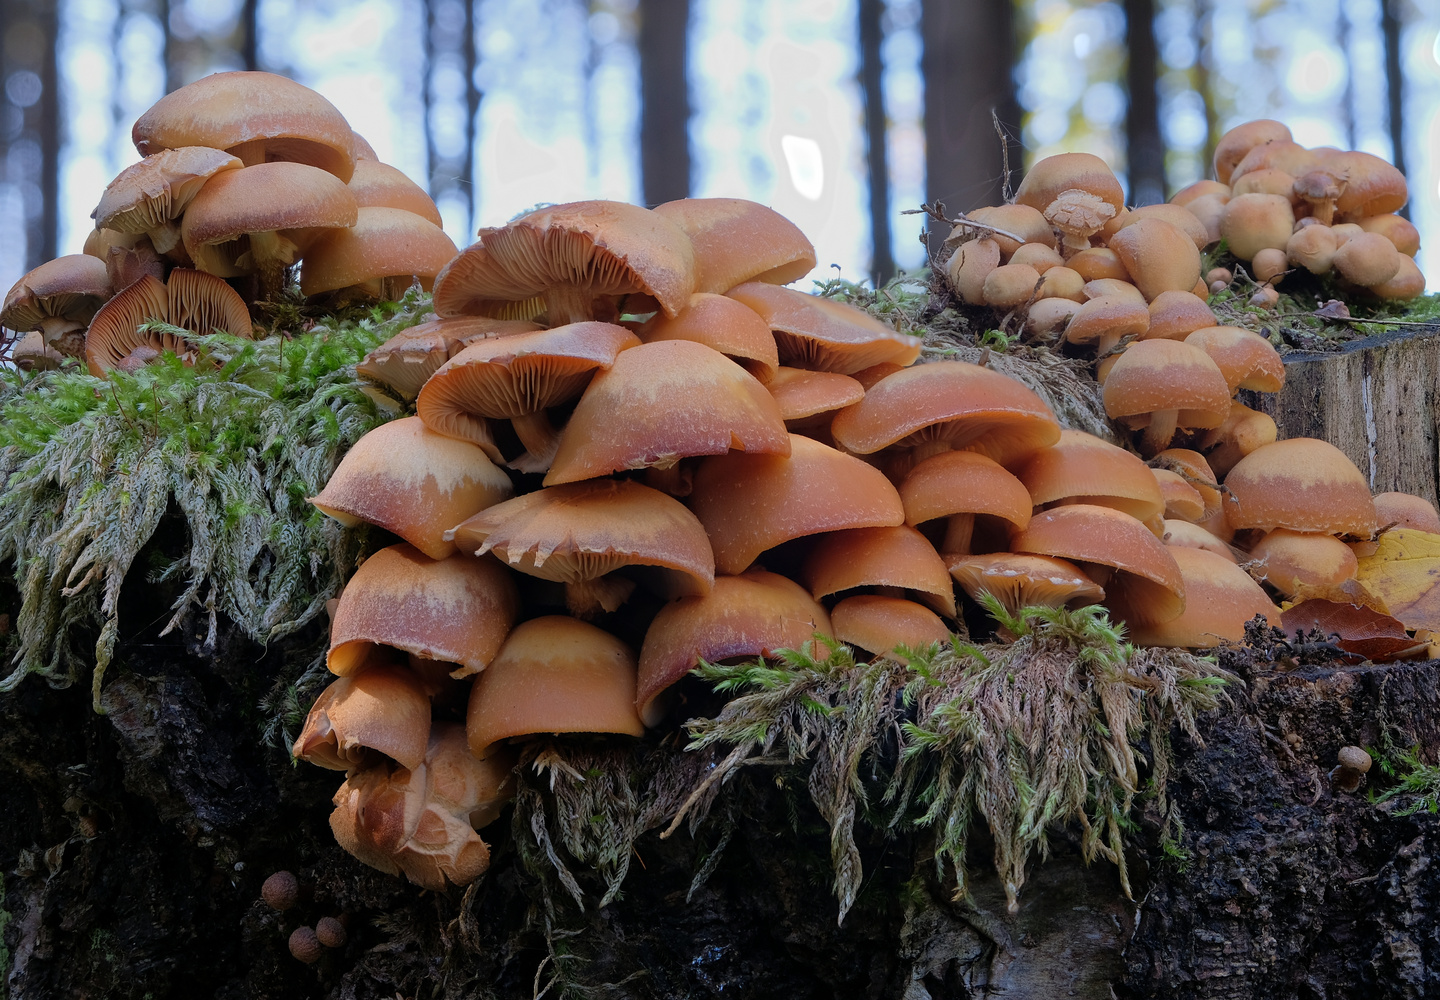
(936, 211)
(1432, 324)
(1005, 192)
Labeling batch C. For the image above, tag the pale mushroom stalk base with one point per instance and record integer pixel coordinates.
(959, 534)
(64, 335)
(270, 255)
(541, 440)
(587, 599)
(1159, 431)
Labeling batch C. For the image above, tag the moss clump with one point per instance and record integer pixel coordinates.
(234, 444)
(1031, 735)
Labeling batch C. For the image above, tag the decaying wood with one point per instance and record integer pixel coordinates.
(1375, 400)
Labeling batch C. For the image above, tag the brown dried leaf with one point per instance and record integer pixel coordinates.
(1356, 629)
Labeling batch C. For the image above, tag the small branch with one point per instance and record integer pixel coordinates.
(937, 212)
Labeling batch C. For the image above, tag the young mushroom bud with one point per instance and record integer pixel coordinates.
(1354, 764)
(330, 932)
(281, 891)
(305, 946)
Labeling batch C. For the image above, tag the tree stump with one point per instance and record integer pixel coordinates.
(1375, 400)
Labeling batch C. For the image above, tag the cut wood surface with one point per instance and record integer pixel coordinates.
(1375, 400)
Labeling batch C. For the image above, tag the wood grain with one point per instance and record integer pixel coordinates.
(1375, 400)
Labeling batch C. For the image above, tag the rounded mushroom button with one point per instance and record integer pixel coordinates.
(305, 946)
(331, 932)
(281, 891)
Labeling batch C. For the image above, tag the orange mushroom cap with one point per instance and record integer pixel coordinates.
(879, 625)
(733, 329)
(384, 243)
(1082, 468)
(1019, 580)
(1288, 560)
(554, 675)
(1159, 385)
(572, 256)
(408, 359)
(1405, 510)
(896, 556)
(1219, 599)
(579, 532)
(1303, 484)
(738, 241)
(458, 610)
(378, 707)
(750, 503)
(259, 117)
(1246, 359)
(744, 616)
(808, 400)
(661, 402)
(1146, 585)
(407, 479)
(379, 185)
(963, 482)
(823, 335)
(516, 378)
(963, 405)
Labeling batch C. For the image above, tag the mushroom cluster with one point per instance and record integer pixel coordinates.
(636, 450)
(243, 176)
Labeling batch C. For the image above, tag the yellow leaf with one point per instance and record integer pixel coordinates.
(1404, 571)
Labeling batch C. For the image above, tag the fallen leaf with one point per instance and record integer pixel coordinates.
(1405, 573)
(1356, 629)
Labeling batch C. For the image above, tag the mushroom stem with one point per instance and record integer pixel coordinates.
(164, 237)
(587, 599)
(678, 480)
(271, 255)
(540, 439)
(249, 153)
(958, 533)
(1159, 431)
(568, 304)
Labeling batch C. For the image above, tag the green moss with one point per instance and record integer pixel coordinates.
(1026, 737)
(234, 445)
(1414, 780)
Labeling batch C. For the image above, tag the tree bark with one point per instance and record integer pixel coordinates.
(1144, 142)
(968, 64)
(872, 36)
(1376, 400)
(664, 100)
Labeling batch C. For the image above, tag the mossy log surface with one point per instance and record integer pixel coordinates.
(134, 844)
(1377, 399)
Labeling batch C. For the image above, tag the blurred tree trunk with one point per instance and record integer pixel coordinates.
(664, 100)
(30, 127)
(450, 35)
(250, 34)
(872, 35)
(1144, 144)
(968, 65)
(1394, 84)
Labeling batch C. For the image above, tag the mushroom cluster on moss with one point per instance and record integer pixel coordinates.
(244, 176)
(705, 465)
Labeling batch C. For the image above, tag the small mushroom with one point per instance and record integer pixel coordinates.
(1353, 764)
(305, 946)
(280, 891)
(330, 932)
